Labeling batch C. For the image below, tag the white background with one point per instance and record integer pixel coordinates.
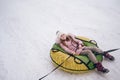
(27, 33)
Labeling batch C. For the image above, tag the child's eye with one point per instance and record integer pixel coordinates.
(67, 38)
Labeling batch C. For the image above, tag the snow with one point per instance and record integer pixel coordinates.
(27, 33)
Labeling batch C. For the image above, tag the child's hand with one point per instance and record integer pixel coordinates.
(73, 53)
(82, 45)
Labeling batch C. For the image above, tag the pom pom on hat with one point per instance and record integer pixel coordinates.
(58, 33)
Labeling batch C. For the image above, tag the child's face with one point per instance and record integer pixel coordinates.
(63, 37)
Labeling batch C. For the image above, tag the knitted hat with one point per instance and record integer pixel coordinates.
(58, 33)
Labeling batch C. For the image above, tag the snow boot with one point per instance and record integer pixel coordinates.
(101, 68)
(110, 57)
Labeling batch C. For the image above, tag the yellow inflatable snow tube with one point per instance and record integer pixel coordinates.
(76, 63)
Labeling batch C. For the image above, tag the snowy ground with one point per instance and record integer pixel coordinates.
(27, 32)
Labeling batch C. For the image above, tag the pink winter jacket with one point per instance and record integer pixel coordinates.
(72, 46)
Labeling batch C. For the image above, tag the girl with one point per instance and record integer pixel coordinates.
(74, 46)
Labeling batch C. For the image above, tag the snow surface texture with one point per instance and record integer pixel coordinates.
(27, 33)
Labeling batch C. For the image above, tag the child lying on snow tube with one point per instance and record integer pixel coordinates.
(74, 46)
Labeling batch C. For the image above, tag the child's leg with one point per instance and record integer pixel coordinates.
(94, 49)
(90, 55)
(106, 55)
